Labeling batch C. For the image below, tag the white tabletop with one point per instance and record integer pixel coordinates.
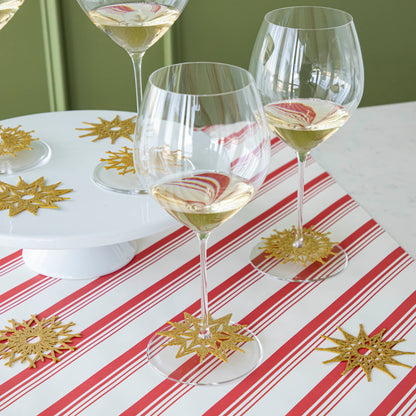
(373, 158)
(92, 216)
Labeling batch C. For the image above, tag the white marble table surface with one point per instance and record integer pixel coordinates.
(373, 158)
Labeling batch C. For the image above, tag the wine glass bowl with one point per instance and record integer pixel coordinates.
(135, 26)
(308, 67)
(202, 150)
(8, 8)
(19, 150)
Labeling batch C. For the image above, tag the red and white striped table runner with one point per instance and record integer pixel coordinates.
(108, 374)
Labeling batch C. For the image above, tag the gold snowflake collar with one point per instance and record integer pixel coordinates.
(122, 161)
(33, 340)
(365, 352)
(14, 140)
(30, 196)
(224, 337)
(110, 129)
(316, 246)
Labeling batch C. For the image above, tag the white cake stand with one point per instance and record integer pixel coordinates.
(95, 231)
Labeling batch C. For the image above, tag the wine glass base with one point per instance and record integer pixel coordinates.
(211, 371)
(296, 272)
(111, 180)
(26, 159)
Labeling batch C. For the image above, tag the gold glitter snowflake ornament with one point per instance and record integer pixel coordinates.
(30, 196)
(33, 340)
(316, 246)
(113, 129)
(224, 337)
(122, 161)
(365, 352)
(14, 140)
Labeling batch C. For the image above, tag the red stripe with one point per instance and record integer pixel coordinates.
(21, 292)
(144, 296)
(219, 292)
(391, 402)
(262, 310)
(232, 399)
(321, 388)
(26, 290)
(397, 394)
(11, 257)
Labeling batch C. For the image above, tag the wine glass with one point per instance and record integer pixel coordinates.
(19, 149)
(202, 150)
(308, 68)
(135, 26)
(8, 8)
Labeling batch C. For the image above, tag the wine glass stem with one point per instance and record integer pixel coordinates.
(137, 59)
(301, 173)
(204, 331)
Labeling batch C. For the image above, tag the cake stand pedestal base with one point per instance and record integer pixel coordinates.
(84, 263)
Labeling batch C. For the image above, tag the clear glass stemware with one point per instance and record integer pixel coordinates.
(202, 150)
(308, 67)
(135, 26)
(31, 152)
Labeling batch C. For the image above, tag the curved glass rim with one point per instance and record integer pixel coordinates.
(250, 79)
(348, 16)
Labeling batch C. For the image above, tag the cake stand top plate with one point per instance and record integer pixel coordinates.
(92, 216)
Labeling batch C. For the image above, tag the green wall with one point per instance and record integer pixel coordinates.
(53, 58)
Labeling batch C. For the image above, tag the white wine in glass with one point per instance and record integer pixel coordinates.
(135, 26)
(202, 149)
(38, 152)
(139, 27)
(8, 8)
(308, 67)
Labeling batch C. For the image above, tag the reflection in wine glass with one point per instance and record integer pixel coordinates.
(8, 8)
(135, 26)
(308, 67)
(15, 155)
(202, 149)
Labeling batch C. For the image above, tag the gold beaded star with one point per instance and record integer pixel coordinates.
(112, 129)
(365, 352)
(224, 337)
(122, 161)
(14, 140)
(316, 246)
(30, 196)
(35, 340)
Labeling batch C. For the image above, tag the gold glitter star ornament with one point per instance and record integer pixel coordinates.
(224, 337)
(122, 161)
(30, 196)
(33, 340)
(14, 140)
(365, 352)
(112, 129)
(316, 246)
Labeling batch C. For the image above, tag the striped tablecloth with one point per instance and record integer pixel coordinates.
(108, 373)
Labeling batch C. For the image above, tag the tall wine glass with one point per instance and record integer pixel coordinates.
(135, 26)
(32, 152)
(8, 8)
(308, 67)
(202, 150)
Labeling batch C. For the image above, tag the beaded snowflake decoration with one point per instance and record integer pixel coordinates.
(316, 246)
(224, 337)
(122, 161)
(30, 196)
(112, 129)
(33, 340)
(14, 140)
(365, 352)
